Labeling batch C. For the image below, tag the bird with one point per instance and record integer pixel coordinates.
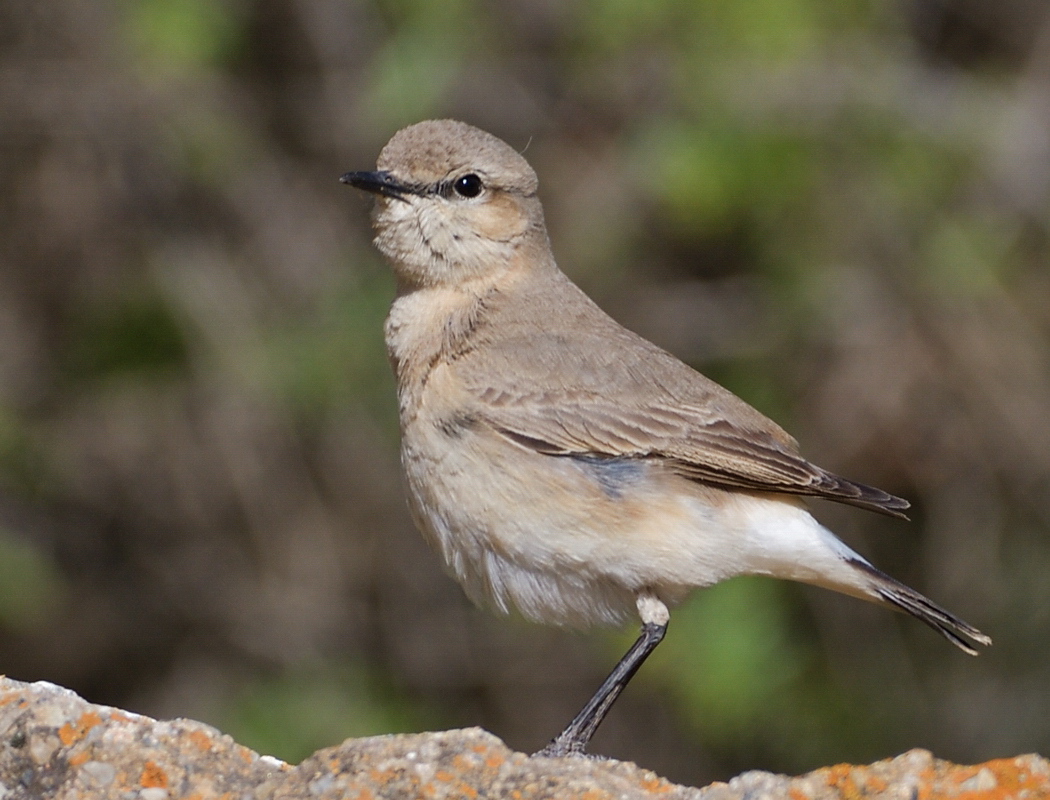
(559, 463)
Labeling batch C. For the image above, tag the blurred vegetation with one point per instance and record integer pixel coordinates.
(30, 586)
(308, 708)
(839, 210)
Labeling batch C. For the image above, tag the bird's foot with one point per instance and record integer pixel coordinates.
(565, 747)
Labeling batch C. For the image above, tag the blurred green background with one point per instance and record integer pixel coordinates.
(839, 210)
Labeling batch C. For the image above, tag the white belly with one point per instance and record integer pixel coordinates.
(573, 542)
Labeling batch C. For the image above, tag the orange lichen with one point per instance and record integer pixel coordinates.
(495, 761)
(854, 783)
(69, 733)
(1001, 779)
(200, 740)
(594, 794)
(444, 776)
(79, 758)
(1010, 781)
(875, 783)
(656, 785)
(379, 776)
(840, 777)
(153, 777)
(88, 720)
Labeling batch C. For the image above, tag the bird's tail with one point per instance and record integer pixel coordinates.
(896, 594)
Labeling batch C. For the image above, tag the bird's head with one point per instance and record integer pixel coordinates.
(453, 203)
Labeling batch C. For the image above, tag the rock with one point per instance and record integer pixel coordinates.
(55, 745)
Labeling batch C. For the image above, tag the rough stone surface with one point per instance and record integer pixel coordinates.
(55, 745)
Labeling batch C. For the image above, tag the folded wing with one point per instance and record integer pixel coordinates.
(608, 392)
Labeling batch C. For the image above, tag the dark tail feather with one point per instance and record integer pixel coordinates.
(941, 620)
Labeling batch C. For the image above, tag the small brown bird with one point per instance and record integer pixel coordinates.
(559, 463)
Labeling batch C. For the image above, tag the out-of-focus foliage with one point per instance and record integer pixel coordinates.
(30, 588)
(740, 638)
(169, 37)
(305, 709)
(839, 210)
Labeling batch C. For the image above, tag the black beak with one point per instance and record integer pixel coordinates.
(382, 183)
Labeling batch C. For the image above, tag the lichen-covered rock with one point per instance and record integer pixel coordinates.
(55, 745)
(467, 764)
(915, 775)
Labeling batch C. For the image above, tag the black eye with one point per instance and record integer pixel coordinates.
(468, 185)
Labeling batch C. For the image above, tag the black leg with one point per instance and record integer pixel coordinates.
(573, 740)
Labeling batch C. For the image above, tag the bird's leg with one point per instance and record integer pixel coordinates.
(574, 739)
